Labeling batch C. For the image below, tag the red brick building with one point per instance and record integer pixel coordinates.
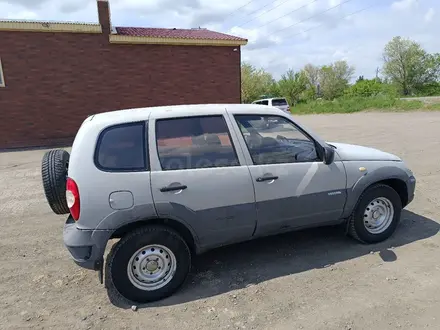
(53, 75)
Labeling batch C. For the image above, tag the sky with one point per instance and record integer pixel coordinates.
(282, 34)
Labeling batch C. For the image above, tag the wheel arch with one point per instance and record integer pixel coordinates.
(178, 226)
(399, 186)
(395, 182)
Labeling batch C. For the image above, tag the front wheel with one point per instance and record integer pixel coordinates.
(149, 264)
(376, 215)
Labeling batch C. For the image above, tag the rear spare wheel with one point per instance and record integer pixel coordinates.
(54, 174)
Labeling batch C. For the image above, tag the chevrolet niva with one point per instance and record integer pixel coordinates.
(172, 182)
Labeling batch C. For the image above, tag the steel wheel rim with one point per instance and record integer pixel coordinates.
(152, 267)
(378, 215)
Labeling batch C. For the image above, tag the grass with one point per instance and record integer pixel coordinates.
(433, 106)
(357, 104)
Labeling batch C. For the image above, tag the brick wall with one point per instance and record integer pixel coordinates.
(55, 80)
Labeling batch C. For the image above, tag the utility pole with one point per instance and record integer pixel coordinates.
(377, 72)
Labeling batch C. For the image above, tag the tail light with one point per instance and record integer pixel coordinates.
(72, 198)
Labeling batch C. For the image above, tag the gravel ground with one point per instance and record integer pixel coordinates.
(315, 279)
(425, 99)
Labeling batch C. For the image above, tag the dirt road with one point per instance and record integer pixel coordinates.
(424, 99)
(317, 279)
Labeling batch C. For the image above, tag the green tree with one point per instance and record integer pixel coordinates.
(292, 84)
(311, 73)
(365, 88)
(408, 65)
(334, 79)
(255, 82)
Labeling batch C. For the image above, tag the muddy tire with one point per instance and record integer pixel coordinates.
(376, 215)
(149, 264)
(54, 174)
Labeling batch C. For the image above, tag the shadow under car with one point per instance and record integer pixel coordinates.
(236, 266)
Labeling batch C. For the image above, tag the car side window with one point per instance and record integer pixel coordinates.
(275, 140)
(265, 102)
(194, 142)
(122, 148)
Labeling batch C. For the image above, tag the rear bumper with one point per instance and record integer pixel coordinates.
(85, 246)
(411, 186)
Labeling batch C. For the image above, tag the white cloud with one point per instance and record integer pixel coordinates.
(284, 34)
(429, 15)
(404, 4)
(22, 15)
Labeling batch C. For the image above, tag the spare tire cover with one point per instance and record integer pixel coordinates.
(54, 174)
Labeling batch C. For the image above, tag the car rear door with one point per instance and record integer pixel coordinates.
(293, 187)
(199, 177)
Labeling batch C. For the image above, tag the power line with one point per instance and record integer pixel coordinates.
(235, 10)
(290, 12)
(306, 19)
(343, 17)
(256, 10)
(316, 26)
(268, 11)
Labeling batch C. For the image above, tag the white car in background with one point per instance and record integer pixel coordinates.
(277, 102)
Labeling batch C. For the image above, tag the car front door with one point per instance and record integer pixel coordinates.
(293, 187)
(200, 178)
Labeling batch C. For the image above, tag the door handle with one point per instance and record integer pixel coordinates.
(173, 188)
(266, 178)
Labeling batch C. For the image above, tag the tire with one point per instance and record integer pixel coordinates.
(138, 244)
(363, 227)
(54, 174)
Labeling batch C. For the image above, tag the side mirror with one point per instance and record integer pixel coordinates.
(329, 155)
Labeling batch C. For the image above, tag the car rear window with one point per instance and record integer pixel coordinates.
(194, 142)
(279, 102)
(122, 148)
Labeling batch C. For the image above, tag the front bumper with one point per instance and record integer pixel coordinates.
(85, 246)
(411, 186)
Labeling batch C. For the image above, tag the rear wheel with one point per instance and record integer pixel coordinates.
(54, 175)
(376, 215)
(149, 264)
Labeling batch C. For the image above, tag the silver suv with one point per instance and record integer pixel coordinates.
(172, 182)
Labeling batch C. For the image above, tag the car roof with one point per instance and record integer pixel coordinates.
(271, 98)
(139, 114)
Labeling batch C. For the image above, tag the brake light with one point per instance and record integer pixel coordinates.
(72, 198)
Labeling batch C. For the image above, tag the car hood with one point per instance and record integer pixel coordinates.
(355, 152)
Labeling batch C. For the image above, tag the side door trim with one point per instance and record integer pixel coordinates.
(243, 146)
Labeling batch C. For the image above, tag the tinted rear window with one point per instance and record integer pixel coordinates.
(279, 102)
(122, 148)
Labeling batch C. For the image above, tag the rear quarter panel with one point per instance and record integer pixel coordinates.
(95, 186)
